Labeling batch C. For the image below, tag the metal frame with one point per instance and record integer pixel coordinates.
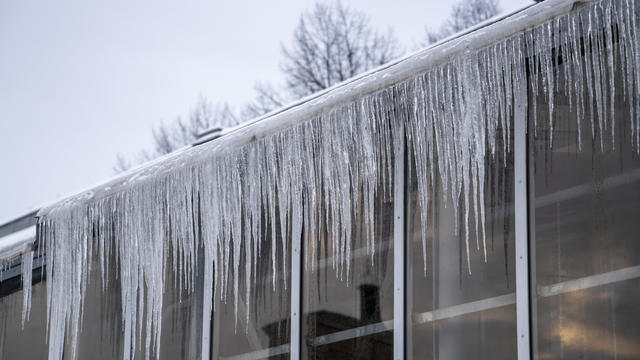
(521, 220)
(399, 247)
(296, 297)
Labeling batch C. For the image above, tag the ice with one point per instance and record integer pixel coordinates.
(27, 265)
(309, 179)
(16, 244)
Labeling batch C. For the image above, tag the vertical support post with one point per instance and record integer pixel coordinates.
(399, 246)
(206, 334)
(521, 219)
(204, 290)
(296, 283)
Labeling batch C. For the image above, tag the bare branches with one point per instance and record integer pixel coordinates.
(203, 116)
(331, 44)
(464, 14)
(267, 99)
(169, 137)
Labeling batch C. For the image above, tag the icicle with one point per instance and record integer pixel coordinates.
(27, 270)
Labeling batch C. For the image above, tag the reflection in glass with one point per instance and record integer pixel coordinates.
(101, 334)
(263, 330)
(584, 234)
(349, 315)
(459, 309)
(16, 342)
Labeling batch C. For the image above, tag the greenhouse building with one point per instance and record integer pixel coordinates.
(478, 199)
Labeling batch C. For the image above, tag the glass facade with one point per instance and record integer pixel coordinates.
(348, 315)
(450, 299)
(584, 232)
(101, 333)
(263, 330)
(17, 342)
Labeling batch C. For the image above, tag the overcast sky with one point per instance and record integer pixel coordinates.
(81, 81)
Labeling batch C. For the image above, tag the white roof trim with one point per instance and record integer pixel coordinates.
(17, 243)
(367, 83)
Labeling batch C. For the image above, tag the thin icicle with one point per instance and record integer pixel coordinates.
(27, 270)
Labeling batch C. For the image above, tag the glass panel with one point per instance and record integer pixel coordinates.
(30, 342)
(266, 334)
(459, 309)
(182, 317)
(349, 315)
(584, 235)
(101, 335)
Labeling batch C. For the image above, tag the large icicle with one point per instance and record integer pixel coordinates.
(312, 178)
(27, 265)
(460, 106)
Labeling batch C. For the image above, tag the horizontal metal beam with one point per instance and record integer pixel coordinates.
(590, 281)
(16, 268)
(260, 354)
(466, 308)
(352, 333)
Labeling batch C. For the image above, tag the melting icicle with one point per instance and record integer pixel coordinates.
(27, 265)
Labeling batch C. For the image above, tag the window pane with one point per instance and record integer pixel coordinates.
(349, 314)
(30, 342)
(265, 333)
(101, 335)
(459, 309)
(585, 226)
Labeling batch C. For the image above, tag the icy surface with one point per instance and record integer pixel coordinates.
(27, 264)
(16, 244)
(224, 199)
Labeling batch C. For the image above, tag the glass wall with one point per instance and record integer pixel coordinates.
(261, 331)
(28, 342)
(101, 334)
(584, 228)
(348, 314)
(459, 309)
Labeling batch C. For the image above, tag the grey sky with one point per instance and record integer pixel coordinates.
(81, 81)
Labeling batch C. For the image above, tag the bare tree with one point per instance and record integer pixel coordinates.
(169, 137)
(204, 115)
(464, 14)
(267, 98)
(122, 164)
(331, 44)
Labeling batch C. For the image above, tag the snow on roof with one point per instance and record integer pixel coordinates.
(205, 135)
(17, 243)
(304, 109)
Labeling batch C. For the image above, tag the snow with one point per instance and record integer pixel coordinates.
(16, 243)
(306, 168)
